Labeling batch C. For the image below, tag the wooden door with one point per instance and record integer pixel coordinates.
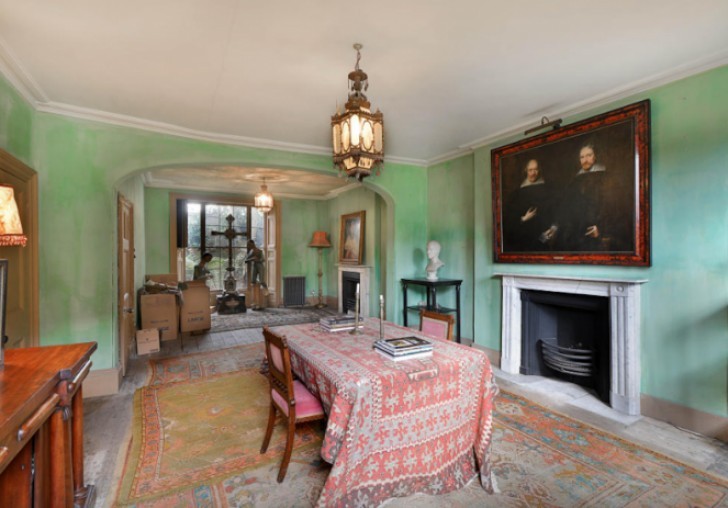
(126, 300)
(271, 256)
(21, 324)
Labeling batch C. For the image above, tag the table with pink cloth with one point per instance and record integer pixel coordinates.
(396, 428)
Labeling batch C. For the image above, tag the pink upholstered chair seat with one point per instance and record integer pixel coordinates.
(306, 404)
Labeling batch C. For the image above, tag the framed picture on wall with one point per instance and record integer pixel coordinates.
(576, 195)
(351, 238)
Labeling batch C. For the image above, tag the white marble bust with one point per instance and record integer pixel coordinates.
(433, 251)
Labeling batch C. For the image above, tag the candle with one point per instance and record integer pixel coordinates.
(357, 289)
(381, 299)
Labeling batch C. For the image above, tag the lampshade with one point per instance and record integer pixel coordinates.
(357, 133)
(319, 240)
(264, 199)
(11, 230)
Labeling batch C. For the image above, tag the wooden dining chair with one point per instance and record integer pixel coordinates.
(287, 395)
(436, 325)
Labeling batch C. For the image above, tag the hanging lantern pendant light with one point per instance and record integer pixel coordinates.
(358, 134)
(264, 199)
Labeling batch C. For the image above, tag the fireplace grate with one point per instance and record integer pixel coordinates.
(569, 360)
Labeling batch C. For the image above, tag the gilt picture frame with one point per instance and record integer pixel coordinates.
(576, 195)
(351, 238)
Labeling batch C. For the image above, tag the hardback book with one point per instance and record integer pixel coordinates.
(395, 352)
(404, 344)
(341, 328)
(401, 358)
(336, 320)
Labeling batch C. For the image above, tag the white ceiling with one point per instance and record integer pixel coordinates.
(448, 75)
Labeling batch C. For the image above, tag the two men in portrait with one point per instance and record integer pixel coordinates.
(586, 210)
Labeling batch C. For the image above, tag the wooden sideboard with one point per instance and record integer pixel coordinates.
(41, 426)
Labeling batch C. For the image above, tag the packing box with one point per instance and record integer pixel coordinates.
(160, 311)
(194, 314)
(170, 279)
(147, 341)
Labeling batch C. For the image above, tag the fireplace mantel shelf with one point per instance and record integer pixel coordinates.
(572, 278)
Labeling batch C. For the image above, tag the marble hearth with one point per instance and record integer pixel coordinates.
(624, 327)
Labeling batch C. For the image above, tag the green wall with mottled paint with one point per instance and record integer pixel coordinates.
(299, 219)
(156, 230)
(451, 222)
(16, 123)
(684, 339)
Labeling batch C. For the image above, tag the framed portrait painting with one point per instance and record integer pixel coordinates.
(576, 195)
(351, 238)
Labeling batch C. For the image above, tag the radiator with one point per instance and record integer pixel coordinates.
(294, 291)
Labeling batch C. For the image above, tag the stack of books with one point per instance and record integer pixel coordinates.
(404, 348)
(338, 323)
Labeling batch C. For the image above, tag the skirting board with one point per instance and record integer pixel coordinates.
(707, 424)
(683, 417)
(102, 382)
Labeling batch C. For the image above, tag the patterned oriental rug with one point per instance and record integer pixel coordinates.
(199, 424)
(272, 316)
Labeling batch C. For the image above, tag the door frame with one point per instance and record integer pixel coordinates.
(124, 346)
(28, 208)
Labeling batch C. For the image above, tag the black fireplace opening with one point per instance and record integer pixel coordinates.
(349, 280)
(566, 336)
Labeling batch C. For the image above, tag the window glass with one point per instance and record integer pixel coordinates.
(206, 227)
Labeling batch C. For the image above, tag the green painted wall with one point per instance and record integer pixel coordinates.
(684, 340)
(156, 230)
(299, 219)
(16, 123)
(451, 222)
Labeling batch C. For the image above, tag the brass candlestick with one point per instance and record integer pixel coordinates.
(355, 331)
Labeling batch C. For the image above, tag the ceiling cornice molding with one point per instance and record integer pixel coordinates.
(452, 154)
(21, 80)
(105, 117)
(116, 119)
(656, 80)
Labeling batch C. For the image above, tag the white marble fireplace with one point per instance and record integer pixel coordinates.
(363, 272)
(624, 327)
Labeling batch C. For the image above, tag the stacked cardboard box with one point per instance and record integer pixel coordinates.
(147, 341)
(160, 311)
(194, 312)
(173, 307)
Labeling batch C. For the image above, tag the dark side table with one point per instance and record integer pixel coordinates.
(431, 286)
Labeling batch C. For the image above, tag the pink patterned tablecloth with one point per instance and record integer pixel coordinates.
(396, 428)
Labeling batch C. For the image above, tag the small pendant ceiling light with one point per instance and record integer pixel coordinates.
(264, 199)
(357, 132)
